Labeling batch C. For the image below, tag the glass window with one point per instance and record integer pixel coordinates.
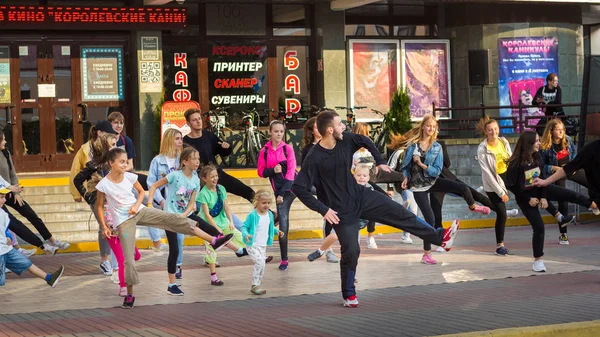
(290, 20)
(367, 30)
(421, 30)
(61, 56)
(64, 130)
(293, 81)
(28, 73)
(97, 114)
(236, 19)
(30, 121)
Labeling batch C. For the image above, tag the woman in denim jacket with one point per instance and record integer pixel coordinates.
(557, 149)
(422, 166)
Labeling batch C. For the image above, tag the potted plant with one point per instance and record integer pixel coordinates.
(398, 120)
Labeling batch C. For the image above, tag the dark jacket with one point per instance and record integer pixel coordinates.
(91, 174)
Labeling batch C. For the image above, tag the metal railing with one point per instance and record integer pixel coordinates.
(519, 122)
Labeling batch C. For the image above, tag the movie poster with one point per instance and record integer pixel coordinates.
(373, 75)
(523, 64)
(426, 75)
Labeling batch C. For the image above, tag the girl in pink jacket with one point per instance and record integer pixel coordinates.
(277, 161)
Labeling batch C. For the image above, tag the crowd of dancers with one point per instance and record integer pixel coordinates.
(185, 193)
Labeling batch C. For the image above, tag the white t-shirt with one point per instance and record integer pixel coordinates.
(262, 230)
(4, 221)
(363, 157)
(4, 183)
(119, 197)
(171, 162)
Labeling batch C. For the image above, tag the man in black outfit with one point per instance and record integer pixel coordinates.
(209, 145)
(342, 201)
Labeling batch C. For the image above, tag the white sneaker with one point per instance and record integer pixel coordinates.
(106, 268)
(162, 248)
(115, 276)
(440, 250)
(50, 249)
(61, 245)
(27, 252)
(538, 265)
(480, 190)
(596, 211)
(406, 239)
(511, 213)
(331, 257)
(371, 244)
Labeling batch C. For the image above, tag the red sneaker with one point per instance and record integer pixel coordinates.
(351, 302)
(449, 235)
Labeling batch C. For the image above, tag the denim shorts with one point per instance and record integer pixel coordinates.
(14, 261)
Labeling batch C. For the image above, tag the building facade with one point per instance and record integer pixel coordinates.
(66, 64)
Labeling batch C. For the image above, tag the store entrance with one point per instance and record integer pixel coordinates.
(46, 100)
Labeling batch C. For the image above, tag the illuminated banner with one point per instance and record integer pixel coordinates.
(181, 73)
(90, 17)
(4, 75)
(171, 116)
(237, 73)
(102, 74)
(523, 64)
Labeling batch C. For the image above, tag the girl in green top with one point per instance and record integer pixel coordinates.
(215, 210)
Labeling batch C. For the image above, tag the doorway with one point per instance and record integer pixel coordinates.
(48, 112)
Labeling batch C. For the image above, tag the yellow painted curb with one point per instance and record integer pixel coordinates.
(64, 181)
(576, 329)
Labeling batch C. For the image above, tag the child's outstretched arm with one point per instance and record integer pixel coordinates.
(191, 207)
(100, 212)
(209, 218)
(160, 183)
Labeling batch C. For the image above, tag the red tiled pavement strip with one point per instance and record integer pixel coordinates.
(469, 290)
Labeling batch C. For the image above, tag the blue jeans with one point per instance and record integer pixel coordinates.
(180, 238)
(14, 261)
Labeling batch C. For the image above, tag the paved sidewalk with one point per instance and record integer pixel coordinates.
(469, 290)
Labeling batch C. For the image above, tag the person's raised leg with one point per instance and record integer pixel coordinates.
(234, 186)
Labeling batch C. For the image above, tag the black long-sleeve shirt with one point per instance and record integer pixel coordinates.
(588, 159)
(208, 146)
(329, 171)
(519, 179)
(305, 151)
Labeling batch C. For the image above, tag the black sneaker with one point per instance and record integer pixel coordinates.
(221, 241)
(314, 255)
(566, 220)
(174, 290)
(55, 277)
(178, 273)
(244, 253)
(128, 302)
(269, 259)
(502, 251)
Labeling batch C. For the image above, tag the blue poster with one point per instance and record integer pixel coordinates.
(523, 64)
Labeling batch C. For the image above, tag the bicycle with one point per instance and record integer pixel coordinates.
(252, 137)
(350, 116)
(380, 133)
(216, 120)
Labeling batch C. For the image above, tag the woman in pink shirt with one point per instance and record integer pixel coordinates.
(277, 161)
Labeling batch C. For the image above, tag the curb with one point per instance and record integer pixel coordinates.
(577, 329)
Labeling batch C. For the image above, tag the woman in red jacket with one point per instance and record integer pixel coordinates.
(277, 161)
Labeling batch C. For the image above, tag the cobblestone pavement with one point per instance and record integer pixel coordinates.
(470, 289)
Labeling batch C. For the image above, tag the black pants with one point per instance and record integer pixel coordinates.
(22, 231)
(437, 200)
(376, 207)
(283, 210)
(553, 193)
(563, 207)
(370, 226)
(30, 215)
(500, 209)
(426, 203)
(234, 186)
(173, 252)
(203, 225)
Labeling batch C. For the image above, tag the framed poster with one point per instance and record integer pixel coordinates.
(102, 73)
(523, 64)
(4, 75)
(374, 76)
(426, 76)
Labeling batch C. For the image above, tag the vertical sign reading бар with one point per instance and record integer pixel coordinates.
(102, 74)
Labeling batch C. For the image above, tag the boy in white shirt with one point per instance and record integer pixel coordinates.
(13, 260)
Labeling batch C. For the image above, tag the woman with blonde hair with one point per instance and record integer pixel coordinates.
(556, 150)
(422, 166)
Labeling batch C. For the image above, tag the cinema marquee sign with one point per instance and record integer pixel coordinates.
(90, 17)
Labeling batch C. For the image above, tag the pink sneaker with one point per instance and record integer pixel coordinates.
(481, 209)
(123, 291)
(137, 255)
(449, 235)
(427, 259)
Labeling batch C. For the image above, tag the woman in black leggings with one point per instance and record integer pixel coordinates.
(524, 166)
(422, 167)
